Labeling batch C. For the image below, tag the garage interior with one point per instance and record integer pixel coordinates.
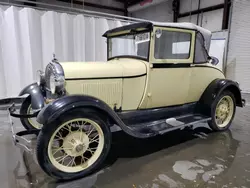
(31, 31)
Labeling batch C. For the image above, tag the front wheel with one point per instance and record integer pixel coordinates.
(28, 123)
(222, 111)
(74, 145)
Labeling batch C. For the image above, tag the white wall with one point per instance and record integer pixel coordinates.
(161, 12)
(238, 64)
(191, 18)
(211, 20)
(29, 37)
(187, 5)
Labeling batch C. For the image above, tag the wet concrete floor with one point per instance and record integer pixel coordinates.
(184, 158)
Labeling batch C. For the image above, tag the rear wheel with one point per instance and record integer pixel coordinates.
(28, 123)
(222, 111)
(74, 145)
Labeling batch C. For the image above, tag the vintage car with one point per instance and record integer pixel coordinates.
(158, 78)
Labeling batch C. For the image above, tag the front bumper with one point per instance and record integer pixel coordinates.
(19, 137)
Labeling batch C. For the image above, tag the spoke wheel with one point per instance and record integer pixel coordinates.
(76, 145)
(32, 121)
(224, 111)
(28, 123)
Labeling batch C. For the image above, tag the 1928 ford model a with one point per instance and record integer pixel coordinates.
(159, 77)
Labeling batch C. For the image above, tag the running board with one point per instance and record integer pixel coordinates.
(163, 126)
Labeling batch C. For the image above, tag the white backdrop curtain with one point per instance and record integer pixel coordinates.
(29, 37)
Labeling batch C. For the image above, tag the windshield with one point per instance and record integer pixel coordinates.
(136, 45)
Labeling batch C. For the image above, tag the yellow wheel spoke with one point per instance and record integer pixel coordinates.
(83, 159)
(64, 159)
(81, 133)
(57, 139)
(92, 129)
(71, 162)
(67, 128)
(74, 162)
(60, 148)
(91, 150)
(94, 139)
(59, 136)
(61, 158)
(70, 143)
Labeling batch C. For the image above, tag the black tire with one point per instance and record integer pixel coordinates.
(212, 124)
(23, 110)
(48, 130)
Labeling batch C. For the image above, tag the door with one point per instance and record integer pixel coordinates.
(171, 55)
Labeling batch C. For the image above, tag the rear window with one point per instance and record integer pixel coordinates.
(172, 44)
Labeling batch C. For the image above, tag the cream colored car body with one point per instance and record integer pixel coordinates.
(130, 84)
(117, 82)
(133, 84)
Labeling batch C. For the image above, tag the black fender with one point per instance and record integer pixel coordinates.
(214, 89)
(37, 96)
(60, 106)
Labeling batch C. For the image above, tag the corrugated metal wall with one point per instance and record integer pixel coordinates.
(238, 61)
(161, 12)
(211, 20)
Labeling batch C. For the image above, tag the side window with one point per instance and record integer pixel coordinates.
(201, 55)
(172, 44)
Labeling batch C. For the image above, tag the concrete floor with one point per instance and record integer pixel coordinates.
(187, 158)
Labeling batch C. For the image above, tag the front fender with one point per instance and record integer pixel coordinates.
(37, 96)
(214, 89)
(60, 106)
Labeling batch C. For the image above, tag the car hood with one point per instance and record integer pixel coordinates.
(116, 68)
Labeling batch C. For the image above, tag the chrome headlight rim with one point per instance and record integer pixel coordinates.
(57, 83)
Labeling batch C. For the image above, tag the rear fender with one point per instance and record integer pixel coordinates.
(214, 89)
(36, 94)
(62, 105)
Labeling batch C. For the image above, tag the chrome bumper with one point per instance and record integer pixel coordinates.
(18, 137)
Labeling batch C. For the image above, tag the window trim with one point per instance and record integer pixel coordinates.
(128, 56)
(192, 42)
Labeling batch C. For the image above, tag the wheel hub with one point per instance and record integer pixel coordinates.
(79, 148)
(76, 143)
(222, 111)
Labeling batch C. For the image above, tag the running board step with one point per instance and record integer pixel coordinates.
(165, 125)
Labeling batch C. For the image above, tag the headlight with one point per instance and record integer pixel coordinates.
(54, 78)
(40, 79)
(56, 83)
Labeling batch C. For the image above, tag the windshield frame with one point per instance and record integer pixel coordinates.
(130, 56)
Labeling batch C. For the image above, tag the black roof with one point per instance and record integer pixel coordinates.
(146, 25)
